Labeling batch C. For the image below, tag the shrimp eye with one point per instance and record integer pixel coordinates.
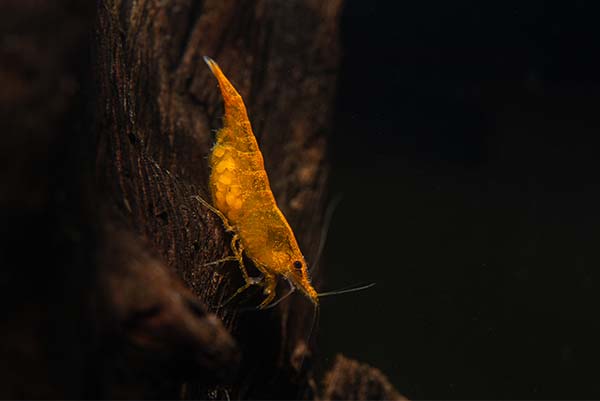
(297, 265)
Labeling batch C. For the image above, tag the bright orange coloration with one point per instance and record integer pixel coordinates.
(242, 197)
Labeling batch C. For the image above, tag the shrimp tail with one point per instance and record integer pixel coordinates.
(235, 110)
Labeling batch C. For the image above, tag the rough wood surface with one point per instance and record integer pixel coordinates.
(159, 104)
(112, 110)
(351, 380)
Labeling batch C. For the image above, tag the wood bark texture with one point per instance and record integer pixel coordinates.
(112, 112)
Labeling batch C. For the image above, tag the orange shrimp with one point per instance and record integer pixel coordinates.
(242, 197)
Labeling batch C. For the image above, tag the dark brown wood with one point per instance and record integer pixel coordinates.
(159, 104)
(351, 380)
(119, 114)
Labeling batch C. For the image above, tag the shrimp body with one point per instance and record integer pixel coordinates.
(240, 191)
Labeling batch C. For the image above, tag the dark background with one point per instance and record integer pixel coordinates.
(464, 152)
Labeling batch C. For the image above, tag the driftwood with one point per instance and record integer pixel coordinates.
(110, 107)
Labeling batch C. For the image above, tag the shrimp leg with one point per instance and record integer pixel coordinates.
(270, 283)
(236, 245)
(228, 227)
(250, 281)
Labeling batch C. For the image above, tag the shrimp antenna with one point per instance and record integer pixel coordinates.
(345, 290)
(333, 204)
(317, 310)
(313, 325)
